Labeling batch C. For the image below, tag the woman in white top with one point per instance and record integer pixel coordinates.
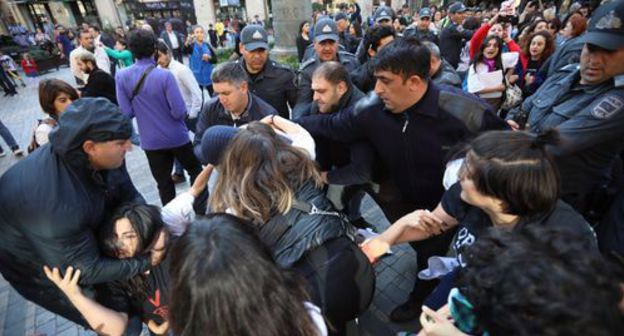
(54, 97)
(486, 72)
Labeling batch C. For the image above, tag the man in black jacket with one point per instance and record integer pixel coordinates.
(174, 41)
(454, 37)
(234, 104)
(55, 201)
(269, 80)
(441, 71)
(99, 83)
(413, 125)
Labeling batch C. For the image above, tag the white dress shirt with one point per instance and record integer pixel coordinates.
(173, 38)
(187, 83)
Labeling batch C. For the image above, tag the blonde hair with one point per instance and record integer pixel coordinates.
(260, 174)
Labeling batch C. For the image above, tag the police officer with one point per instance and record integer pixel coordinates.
(421, 29)
(326, 49)
(585, 102)
(454, 36)
(269, 80)
(345, 39)
(384, 16)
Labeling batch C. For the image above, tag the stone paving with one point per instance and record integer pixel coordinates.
(395, 274)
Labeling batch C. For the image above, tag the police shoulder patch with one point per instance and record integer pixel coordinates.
(607, 107)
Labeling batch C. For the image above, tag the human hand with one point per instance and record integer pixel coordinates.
(374, 248)
(437, 323)
(201, 181)
(158, 329)
(324, 177)
(268, 119)
(205, 57)
(528, 79)
(68, 284)
(425, 220)
(513, 78)
(514, 125)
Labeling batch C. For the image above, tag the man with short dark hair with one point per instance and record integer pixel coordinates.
(345, 39)
(233, 105)
(441, 71)
(99, 83)
(87, 44)
(268, 79)
(326, 49)
(412, 124)
(421, 29)
(55, 200)
(375, 39)
(152, 96)
(454, 36)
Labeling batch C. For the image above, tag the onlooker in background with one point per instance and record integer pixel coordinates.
(202, 58)
(9, 66)
(574, 26)
(152, 96)
(191, 93)
(212, 35)
(453, 37)
(496, 26)
(355, 30)
(29, 65)
(421, 29)
(269, 80)
(55, 96)
(526, 73)
(64, 42)
(174, 41)
(120, 34)
(101, 37)
(344, 38)
(10, 141)
(256, 21)
(99, 83)
(554, 26)
(120, 53)
(86, 44)
(537, 26)
(441, 71)
(220, 28)
(303, 39)
(6, 83)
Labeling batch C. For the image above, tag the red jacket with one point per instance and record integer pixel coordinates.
(29, 67)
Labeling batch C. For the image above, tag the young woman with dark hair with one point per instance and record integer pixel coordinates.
(534, 281)
(487, 60)
(54, 97)
(135, 229)
(279, 189)
(507, 181)
(226, 283)
(303, 39)
(526, 73)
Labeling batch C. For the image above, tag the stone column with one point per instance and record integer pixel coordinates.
(287, 15)
(107, 11)
(204, 12)
(256, 7)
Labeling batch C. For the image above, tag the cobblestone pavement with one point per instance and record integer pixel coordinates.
(395, 274)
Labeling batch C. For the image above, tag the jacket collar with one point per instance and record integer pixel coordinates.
(428, 104)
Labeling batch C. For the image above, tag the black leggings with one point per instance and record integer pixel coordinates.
(339, 279)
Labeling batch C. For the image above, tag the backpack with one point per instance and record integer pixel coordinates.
(33, 139)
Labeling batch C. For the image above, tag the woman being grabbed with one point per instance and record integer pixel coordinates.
(278, 187)
(507, 181)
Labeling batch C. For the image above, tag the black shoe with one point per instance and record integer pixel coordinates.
(177, 178)
(406, 312)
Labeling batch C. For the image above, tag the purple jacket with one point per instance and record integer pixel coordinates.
(158, 107)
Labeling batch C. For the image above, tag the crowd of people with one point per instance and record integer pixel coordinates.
(490, 137)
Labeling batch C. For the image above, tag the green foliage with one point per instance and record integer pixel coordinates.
(317, 6)
(290, 60)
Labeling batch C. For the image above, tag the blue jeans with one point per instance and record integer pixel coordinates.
(8, 138)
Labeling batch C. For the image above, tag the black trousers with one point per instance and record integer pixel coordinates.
(6, 84)
(161, 162)
(339, 279)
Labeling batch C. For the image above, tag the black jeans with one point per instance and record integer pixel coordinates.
(161, 162)
(339, 279)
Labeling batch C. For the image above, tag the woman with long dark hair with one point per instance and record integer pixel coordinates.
(226, 283)
(303, 39)
(508, 181)
(483, 67)
(279, 189)
(526, 73)
(134, 230)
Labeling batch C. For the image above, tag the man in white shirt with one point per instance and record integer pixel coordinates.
(174, 41)
(86, 44)
(191, 93)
